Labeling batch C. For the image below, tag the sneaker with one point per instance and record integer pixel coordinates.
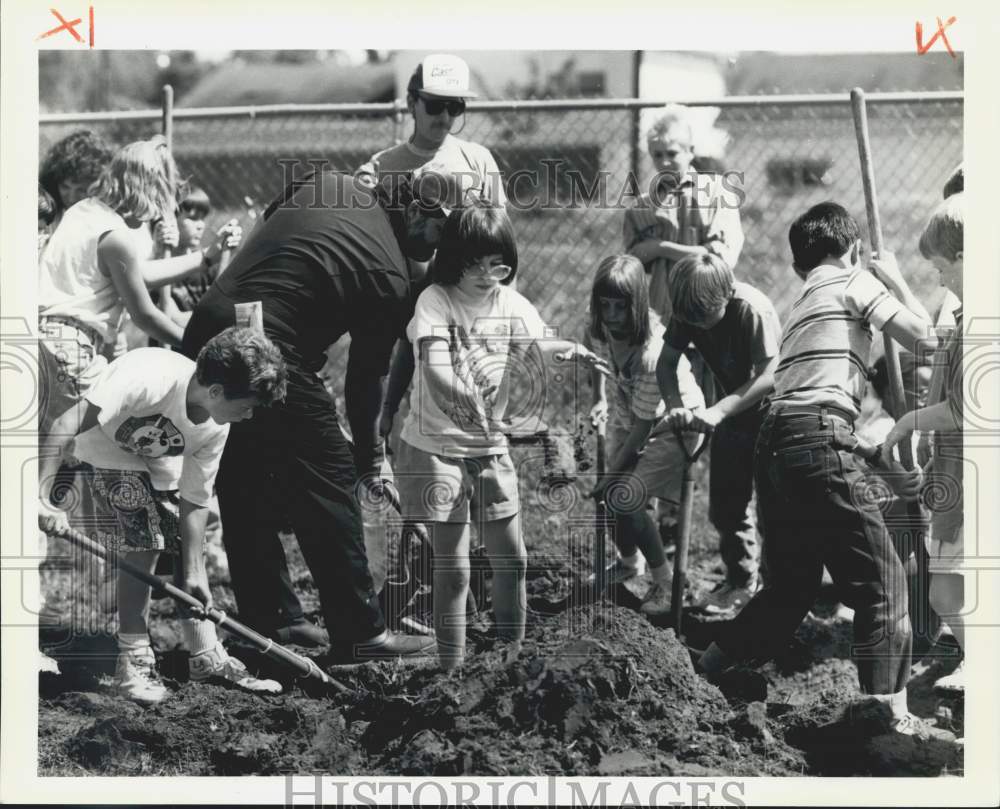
(618, 572)
(953, 684)
(910, 725)
(726, 600)
(418, 617)
(302, 633)
(136, 678)
(657, 601)
(218, 667)
(47, 664)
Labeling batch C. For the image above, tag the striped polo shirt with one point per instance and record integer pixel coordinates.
(828, 338)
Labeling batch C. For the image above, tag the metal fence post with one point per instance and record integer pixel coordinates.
(634, 152)
(168, 116)
(398, 119)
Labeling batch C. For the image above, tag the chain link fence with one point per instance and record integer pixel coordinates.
(568, 164)
(569, 169)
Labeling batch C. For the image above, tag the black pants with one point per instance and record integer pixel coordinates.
(816, 509)
(291, 464)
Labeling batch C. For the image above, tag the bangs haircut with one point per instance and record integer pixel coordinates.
(137, 182)
(470, 234)
(621, 276)
(245, 363)
(196, 200)
(825, 230)
(699, 285)
(943, 233)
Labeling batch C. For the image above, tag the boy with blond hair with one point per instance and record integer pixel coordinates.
(683, 213)
(942, 243)
(736, 331)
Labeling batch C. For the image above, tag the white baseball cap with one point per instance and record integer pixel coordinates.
(443, 75)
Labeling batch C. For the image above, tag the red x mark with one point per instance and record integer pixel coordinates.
(922, 48)
(66, 26)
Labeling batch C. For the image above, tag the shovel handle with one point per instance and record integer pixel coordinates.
(305, 666)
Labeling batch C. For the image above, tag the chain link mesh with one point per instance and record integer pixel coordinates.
(567, 175)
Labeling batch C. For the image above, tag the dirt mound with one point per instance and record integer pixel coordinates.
(594, 690)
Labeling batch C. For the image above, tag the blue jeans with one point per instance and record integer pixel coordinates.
(816, 509)
(730, 491)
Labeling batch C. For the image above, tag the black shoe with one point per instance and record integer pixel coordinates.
(385, 646)
(303, 633)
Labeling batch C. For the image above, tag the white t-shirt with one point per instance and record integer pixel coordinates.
(143, 425)
(459, 156)
(70, 282)
(490, 326)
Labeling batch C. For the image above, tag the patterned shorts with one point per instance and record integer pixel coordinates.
(120, 509)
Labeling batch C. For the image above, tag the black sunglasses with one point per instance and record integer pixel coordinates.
(435, 106)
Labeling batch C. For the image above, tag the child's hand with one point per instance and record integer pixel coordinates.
(51, 520)
(900, 432)
(679, 418)
(166, 234)
(582, 354)
(886, 269)
(228, 237)
(195, 583)
(599, 413)
(905, 484)
(385, 420)
(705, 420)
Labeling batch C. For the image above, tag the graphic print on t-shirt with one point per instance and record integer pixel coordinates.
(150, 436)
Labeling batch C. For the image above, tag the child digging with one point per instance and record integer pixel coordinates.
(810, 488)
(453, 464)
(150, 434)
(736, 331)
(647, 461)
(942, 244)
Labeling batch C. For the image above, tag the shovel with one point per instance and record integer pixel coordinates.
(684, 528)
(306, 667)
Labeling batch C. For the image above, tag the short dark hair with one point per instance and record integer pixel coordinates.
(469, 233)
(80, 157)
(245, 363)
(195, 200)
(46, 205)
(621, 276)
(956, 183)
(825, 230)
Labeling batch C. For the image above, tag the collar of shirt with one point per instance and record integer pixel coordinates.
(826, 272)
(686, 185)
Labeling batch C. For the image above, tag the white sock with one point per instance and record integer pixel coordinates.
(896, 703)
(199, 636)
(633, 560)
(128, 642)
(662, 574)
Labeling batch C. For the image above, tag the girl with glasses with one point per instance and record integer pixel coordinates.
(470, 330)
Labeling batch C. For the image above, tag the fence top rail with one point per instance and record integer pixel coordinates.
(539, 105)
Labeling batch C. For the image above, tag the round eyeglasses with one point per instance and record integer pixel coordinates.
(498, 272)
